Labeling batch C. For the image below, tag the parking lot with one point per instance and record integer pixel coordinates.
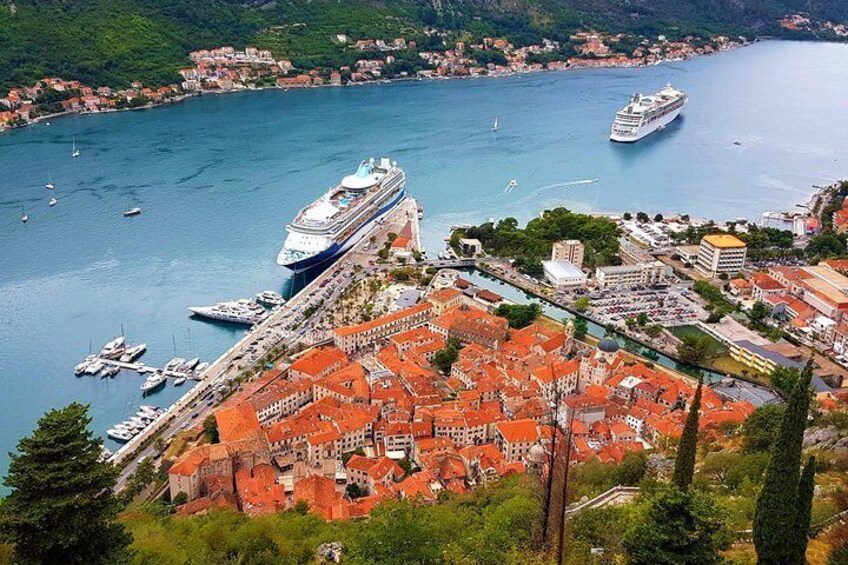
(668, 307)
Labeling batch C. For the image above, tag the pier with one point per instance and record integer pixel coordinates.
(141, 368)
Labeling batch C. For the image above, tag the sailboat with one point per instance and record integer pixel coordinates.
(49, 185)
(74, 151)
(24, 216)
(53, 201)
(495, 125)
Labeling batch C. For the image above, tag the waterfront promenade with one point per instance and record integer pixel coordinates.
(197, 403)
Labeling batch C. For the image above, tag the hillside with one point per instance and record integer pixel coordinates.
(114, 42)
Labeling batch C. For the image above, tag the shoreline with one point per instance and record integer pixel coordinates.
(189, 95)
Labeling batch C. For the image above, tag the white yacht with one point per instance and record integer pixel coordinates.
(241, 311)
(646, 114)
(154, 381)
(343, 216)
(179, 381)
(114, 349)
(133, 352)
(119, 435)
(174, 364)
(270, 298)
(80, 369)
(52, 202)
(95, 367)
(189, 365)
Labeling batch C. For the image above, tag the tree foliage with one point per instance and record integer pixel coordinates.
(506, 239)
(61, 508)
(519, 315)
(680, 528)
(684, 466)
(760, 430)
(777, 510)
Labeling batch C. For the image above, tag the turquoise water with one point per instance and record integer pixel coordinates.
(219, 177)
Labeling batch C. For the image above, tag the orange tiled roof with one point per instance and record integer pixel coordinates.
(237, 423)
(377, 322)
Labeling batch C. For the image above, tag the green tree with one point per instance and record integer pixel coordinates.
(684, 466)
(759, 310)
(694, 349)
(760, 430)
(581, 328)
(61, 508)
(519, 315)
(446, 357)
(825, 245)
(210, 429)
(654, 330)
(581, 304)
(642, 217)
(642, 319)
(679, 528)
(806, 490)
(180, 499)
(784, 378)
(777, 505)
(396, 533)
(354, 491)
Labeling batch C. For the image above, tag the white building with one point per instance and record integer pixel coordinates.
(789, 221)
(563, 274)
(647, 274)
(721, 253)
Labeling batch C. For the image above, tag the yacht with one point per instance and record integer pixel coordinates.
(95, 367)
(133, 352)
(154, 381)
(343, 216)
(80, 369)
(114, 349)
(179, 381)
(49, 184)
(52, 202)
(200, 368)
(155, 411)
(112, 370)
(189, 365)
(241, 311)
(119, 435)
(174, 364)
(132, 212)
(270, 298)
(647, 114)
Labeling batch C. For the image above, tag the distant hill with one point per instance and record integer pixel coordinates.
(112, 42)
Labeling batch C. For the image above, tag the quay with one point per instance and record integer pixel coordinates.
(141, 368)
(189, 410)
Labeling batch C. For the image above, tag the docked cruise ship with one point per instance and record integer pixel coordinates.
(343, 216)
(646, 114)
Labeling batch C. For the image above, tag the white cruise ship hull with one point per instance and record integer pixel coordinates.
(338, 248)
(645, 129)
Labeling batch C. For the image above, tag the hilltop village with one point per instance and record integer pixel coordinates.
(226, 69)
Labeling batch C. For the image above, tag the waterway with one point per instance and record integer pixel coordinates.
(219, 177)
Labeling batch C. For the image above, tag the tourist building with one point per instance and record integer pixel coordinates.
(570, 250)
(646, 274)
(721, 253)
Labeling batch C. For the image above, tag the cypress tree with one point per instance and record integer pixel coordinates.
(61, 508)
(806, 488)
(777, 504)
(684, 466)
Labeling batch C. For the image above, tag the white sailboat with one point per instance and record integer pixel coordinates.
(495, 125)
(49, 185)
(74, 151)
(24, 216)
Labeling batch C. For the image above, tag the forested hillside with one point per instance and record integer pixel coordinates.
(112, 42)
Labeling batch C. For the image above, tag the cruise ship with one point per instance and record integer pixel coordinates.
(646, 114)
(241, 311)
(343, 216)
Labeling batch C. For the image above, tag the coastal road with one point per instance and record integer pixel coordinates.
(276, 330)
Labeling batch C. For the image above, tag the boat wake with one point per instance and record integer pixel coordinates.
(565, 185)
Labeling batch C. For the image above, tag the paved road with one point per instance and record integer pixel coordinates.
(284, 327)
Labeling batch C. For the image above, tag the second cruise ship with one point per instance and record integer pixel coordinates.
(343, 215)
(646, 114)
